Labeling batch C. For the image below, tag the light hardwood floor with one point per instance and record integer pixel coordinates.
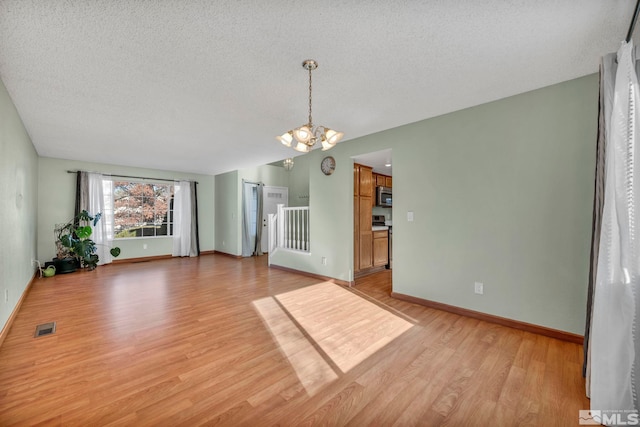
(216, 340)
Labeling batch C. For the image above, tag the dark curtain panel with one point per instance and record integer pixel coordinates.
(247, 247)
(195, 240)
(82, 192)
(608, 67)
(596, 225)
(76, 209)
(81, 202)
(258, 248)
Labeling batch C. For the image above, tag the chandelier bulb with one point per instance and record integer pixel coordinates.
(286, 138)
(302, 147)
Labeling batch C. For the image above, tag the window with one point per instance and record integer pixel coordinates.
(141, 209)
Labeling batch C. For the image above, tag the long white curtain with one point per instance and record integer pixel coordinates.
(614, 343)
(97, 199)
(182, 219)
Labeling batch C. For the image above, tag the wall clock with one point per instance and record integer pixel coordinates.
(328, 165)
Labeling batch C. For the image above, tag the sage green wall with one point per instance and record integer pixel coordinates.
(229, 202)
(18, 207)
(227, 213)
(56, 195)
(501, 194)
(298, 181)
(330, 217)
(269, 175)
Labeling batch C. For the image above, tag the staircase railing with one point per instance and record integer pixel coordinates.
(273, 228)
(289, 229)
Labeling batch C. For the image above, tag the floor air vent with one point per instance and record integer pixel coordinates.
(45, 329)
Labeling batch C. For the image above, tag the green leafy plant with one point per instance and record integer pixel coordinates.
(75, 236)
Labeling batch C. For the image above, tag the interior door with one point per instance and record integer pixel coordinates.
(271, 198)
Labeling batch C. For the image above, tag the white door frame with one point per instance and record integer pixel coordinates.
(271, 197)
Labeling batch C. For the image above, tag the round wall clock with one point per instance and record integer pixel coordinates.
(328, 165)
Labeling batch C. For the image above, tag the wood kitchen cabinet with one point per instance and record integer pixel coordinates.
(363, 192)
(380, 248)
(374, 191)
(382, 180)
(366, 235)
(356, 180)
(366, 177)
(356, 218)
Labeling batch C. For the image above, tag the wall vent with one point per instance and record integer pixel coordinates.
(45, 329)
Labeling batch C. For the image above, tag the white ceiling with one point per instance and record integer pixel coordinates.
(204, 86)
(378, 160)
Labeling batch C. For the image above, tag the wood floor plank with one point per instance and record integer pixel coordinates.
(220, 341)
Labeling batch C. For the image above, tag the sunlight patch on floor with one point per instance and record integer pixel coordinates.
(309, 365)
(347, 327)
(325, 330)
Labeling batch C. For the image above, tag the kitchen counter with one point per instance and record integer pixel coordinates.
(379, 228)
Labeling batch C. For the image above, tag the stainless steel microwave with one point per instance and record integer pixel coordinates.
(383, 196)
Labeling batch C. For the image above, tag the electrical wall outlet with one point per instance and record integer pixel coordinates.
(324, 260)
(479, 288)
(144, 246)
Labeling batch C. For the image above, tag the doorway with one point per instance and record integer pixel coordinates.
(373, 214)
(272, 197)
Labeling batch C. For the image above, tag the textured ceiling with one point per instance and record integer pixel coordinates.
(204, 86)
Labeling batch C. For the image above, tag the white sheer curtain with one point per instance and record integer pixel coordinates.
(182, 219)
(100, 202)
(614, 343)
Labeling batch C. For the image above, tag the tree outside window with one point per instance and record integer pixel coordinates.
(142, 209)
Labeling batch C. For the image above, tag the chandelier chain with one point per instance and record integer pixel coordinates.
(310, 120)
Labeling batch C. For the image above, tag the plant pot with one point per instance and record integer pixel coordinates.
(66, 265)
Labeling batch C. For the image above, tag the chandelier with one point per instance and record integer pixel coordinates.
(306, 136)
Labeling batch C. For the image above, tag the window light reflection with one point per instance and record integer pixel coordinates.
(346, 329)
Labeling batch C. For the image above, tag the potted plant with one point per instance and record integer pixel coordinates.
(74, 243)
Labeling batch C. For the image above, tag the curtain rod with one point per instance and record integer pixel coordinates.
(140, 177)
(633, 22)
